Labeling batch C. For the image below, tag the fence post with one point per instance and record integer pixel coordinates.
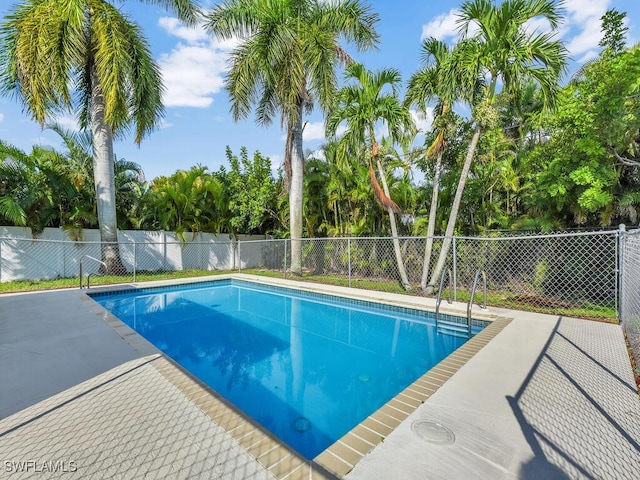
(238, 253)
(64, 259)
(455, 271)
(0, 259)
(349, 258)
(164, 250)
(620, 272)
(135, 261)
(284, 267)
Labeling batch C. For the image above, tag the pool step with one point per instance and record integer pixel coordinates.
(453, 328)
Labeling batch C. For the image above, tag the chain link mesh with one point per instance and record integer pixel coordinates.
(576, 272)
(630, 290)
(571, 271)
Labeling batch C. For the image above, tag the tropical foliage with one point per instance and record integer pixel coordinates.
(286, 62)
(372, 101)
(87, 57)
(532, 154)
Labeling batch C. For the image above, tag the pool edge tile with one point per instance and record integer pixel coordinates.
(283, 462)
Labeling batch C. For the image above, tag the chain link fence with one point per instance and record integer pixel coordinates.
(35, 260)
(585, 274)
(575, 272)
(630, 289)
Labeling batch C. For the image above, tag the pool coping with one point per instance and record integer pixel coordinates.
(274, 455)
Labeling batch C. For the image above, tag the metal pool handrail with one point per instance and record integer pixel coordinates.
(473, 292)
(448, 270)
(106, 269)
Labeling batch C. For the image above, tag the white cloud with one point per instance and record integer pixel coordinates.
(423, 120)
(276, 162)
(174, 27)
(319, 154)
(192, 74)
(70, 123)
(1, 116)
(442, 27)
(164, 124)
(340, 130)
(591, 54)
(537, 24)
(313, 131)
(44, 141)
(445, 27)
(584, 16)
(193, 71)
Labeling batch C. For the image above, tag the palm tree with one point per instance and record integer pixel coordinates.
(362, 106)
(501, 49)
(27, 181)
(425, 86)
(187, 201)
(286, 61)
(86, 56)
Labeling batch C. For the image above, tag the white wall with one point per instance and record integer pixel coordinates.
(54, 255)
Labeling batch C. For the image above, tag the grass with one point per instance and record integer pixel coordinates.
(74, 282)
(498, 299)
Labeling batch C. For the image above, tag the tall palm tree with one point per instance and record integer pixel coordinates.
(500, 48)
(128, 182)
(286, 61)
(426, 85)
(86, 56)
(362, 106)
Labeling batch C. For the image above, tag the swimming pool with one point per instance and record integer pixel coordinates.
(308, 367)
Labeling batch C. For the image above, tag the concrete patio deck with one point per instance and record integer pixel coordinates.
(548, 397)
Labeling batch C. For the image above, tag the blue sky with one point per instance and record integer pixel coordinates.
(197, 125)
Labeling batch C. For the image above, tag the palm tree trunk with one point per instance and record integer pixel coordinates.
(431, 228)
(295, 195)
(104, 179)
(394, 230)
(453, 216)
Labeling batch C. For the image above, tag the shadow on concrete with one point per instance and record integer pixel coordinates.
(128, 422)
(578, 408)
(64, 403)
(49, 342)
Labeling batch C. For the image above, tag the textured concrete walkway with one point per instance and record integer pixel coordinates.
(548, 398)
(120, 418)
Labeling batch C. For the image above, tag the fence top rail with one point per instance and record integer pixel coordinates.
(612, 233)
(120, 242)
(609, 233)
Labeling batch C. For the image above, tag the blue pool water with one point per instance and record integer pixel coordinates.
(309, 368)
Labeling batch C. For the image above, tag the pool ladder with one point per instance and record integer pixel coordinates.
(479, 273)
(439, 300)
(106, 269)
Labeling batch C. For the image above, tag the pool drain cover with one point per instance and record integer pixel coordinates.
(433, 432)
(302, 424)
